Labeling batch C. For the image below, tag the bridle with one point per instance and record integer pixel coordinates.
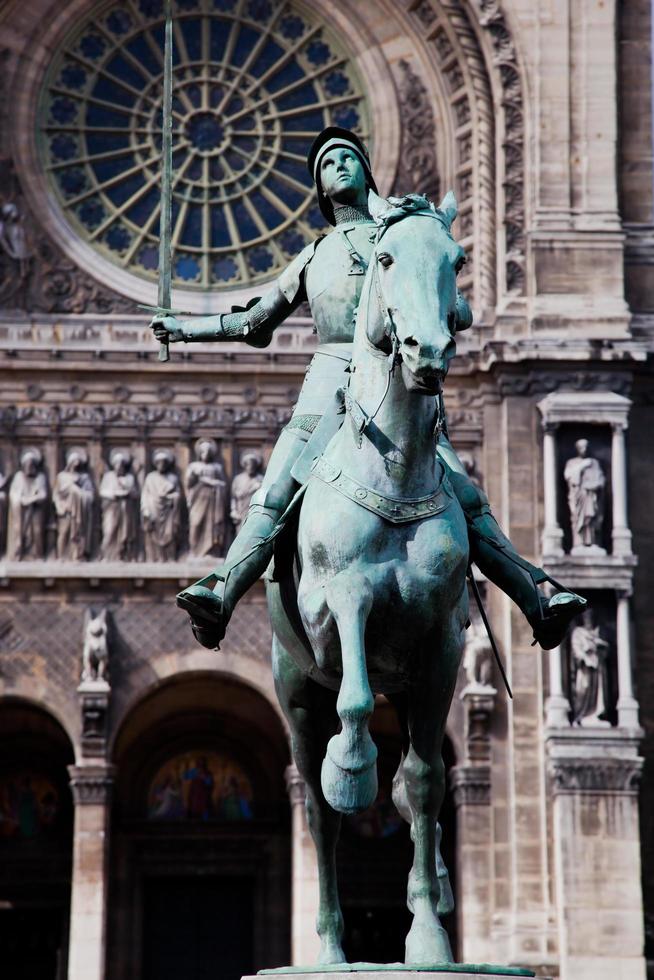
(359, 416)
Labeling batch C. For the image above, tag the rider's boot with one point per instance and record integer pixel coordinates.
(495, 556)
(211, 601)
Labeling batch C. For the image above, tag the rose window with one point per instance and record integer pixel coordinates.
(254, 82)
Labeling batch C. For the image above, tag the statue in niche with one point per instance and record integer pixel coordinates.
(119, 495)
(95, 655)
(161, 500)
(28, 498)
(244, 486)
(4, 483)
(590, 674)
(74, 497)
(206, 497)
(477, 660)
(586, 481)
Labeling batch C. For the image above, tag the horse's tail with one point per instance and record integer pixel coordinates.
(349, 771)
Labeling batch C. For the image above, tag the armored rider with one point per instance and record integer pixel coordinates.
(329, 273)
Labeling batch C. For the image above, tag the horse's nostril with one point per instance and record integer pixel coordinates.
(410, 342)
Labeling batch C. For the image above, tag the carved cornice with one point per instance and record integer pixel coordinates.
(526, 383)
(99, 419)
(471, 785)
(91, 785)
(595, 775)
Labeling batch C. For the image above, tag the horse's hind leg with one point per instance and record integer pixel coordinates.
(424, 780)
(445, 895)
(311, 714)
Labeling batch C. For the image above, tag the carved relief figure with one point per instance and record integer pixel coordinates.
(28, 496)
(73, 497)
(590, 687)
(206, 496)
(4, 481)
(161, 500)
(244, 485)
(586, 480)
(119, 494)
(95, 655)
(477, 659)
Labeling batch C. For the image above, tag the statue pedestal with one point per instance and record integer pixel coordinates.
(399, 971)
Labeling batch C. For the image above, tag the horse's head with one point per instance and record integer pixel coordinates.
(413, 273)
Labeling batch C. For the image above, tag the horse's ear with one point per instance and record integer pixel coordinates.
(377, 205)
(448, 207)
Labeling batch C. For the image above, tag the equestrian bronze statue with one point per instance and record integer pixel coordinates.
(370, 518)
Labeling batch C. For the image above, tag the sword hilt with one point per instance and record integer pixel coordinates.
(164, 351)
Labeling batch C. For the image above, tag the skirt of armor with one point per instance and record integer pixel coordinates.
(327, 371)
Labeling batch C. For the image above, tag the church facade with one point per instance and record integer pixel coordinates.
(151, 819)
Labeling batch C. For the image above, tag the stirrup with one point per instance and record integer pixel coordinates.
(209, 617)
(556, 614)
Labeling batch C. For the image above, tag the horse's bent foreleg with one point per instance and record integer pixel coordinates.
(424, 780)
(349, 772)
(311, 715)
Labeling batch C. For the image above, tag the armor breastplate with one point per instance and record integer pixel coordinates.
(334, 279)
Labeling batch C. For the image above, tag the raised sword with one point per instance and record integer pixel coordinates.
(165, 223)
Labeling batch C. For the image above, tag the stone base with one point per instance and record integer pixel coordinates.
(400, 971)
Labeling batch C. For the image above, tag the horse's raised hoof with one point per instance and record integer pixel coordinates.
(555, 617)
(446, 896)
(208, 615)
(427, 943)
(346, 791)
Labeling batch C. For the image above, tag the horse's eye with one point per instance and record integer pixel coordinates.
(459, 264)
(385, 259)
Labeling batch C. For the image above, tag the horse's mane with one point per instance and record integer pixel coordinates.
(402, 207)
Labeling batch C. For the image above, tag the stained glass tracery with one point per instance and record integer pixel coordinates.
(254, 81)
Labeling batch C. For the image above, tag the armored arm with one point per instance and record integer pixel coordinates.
(255, 323)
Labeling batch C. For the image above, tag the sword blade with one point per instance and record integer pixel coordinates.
(165, 225)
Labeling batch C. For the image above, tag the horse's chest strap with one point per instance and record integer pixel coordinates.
(400, 510)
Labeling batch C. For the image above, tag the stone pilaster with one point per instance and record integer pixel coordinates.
(594, 780)
(91, 787)
(305, 943)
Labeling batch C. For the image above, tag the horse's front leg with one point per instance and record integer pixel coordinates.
(424, 778)
(311, 714)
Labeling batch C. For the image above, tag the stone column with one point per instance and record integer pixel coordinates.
(557, 706)
(627, 704)
(91, 787)
(552, 533)
(471, 788)
(621, 534)
(305, 944)
(597, 864)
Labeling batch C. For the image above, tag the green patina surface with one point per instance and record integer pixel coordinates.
(481, 969)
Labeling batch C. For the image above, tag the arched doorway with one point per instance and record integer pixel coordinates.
(36, 828)
(375, 854)
(201, 835)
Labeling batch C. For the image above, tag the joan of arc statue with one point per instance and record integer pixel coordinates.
(329, 274)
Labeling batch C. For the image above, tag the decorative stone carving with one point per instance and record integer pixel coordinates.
(586, 480)
(206, 497)
(161, 500)
(477, 660)
(91, 785)
(4, 483)
(95, 655)
(119, 494)
(73, 497)
(244, 485)
(596, 775)
(419, 169)
(471, 785)
(470, 466)
(590, 675)
(28, 497)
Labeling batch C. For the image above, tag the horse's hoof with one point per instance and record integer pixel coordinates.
(427, 945)
(348, 792)
(331, 953)
(446, 896)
